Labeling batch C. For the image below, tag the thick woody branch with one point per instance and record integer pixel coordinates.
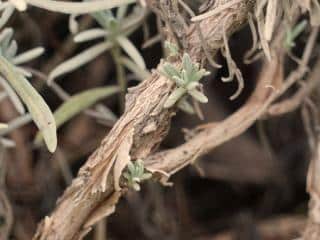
(93, 194)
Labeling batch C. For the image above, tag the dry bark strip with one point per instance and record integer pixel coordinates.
(91, 195)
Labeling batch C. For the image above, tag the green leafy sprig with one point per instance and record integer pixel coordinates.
(114, 31)
(135, 174)
(186, 79)
(293, 33)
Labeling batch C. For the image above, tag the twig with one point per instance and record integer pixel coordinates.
(92, 195)
(297, 99)
(171, 161)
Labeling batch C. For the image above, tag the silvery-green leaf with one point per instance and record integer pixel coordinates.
(132, 22)
(113, 24)
(11, 51)
(77, 7)
(28, 55)
(187, 63)
(169, 71)
(79, 102)
(174, 97)
(179, 81)
(131, 50)
(5, 37)
(292, 34)
(73, 24)
(136, 179)
(136, 187)
(7, 13)
(4, 5)
(79, 60)
(140, 167)
(23, 72)
(198, 75)
(102, 17)
(184, 76)
(185, 106)
(121, 11)
(37, 107)
(173, 48)
(199, 96)
(192, 85)
(5, 32)
(146, 176)
(142, 74)
(130, 167)
(90, 34)
(13, 96)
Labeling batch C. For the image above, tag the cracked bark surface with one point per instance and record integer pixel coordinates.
(92, 195)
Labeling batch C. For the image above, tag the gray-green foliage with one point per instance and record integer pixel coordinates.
(293, 33)
(186, 78)
(135, 174)
(114, 31)
(37, 107)
(13, 77)
(172, 48)
(14, 81)
(79, 102)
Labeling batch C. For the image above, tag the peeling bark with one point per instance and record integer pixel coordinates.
(94, 186)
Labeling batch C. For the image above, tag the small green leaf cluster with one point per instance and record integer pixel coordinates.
(186, 79)
(135, 174)
(293, 33)
(172, 48)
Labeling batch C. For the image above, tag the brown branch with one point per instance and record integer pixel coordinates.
(269, 87)
(213, 135)
(297, 99)
(92, 195)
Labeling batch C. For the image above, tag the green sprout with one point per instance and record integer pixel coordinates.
(172, 48)
(186, 79)
(292, 34)
(136, 174)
